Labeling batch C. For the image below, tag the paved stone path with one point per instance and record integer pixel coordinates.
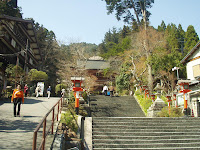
(17, 132)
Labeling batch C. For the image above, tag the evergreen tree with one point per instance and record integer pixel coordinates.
(9, 9)
(181, 38)
(191, 38)
(162, 27)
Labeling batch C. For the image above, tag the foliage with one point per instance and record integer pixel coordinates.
(174, 112)
(85, 96)
(124, 9)
(145, 103)
(35, 75)
(191, 38)
(8, 8)
(70, 120)
(15, 73)
(123, 79)
(59, 87)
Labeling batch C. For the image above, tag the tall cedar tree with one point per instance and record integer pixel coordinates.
(191, 38)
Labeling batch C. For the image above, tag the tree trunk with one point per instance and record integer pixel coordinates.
(150, 78)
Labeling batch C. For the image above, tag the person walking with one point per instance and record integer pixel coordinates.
(37, 90)
(105, 89)
(17, 99)
(26, 90)
(49, 92)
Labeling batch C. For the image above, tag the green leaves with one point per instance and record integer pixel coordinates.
(128, 10)
(35, 75)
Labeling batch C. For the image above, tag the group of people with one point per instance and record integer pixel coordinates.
(106, 90)
(18, 97)
(38, 89)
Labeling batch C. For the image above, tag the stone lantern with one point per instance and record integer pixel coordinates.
(157, 106)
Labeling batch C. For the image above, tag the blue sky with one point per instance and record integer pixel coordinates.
(87, 20)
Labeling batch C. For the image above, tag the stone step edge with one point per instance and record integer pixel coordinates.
(149, 144)
(161, 136)
(163, 148)
(142, 129)
(152, 118)
(140, 140)
(144, 132)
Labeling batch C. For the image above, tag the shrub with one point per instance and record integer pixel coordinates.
(145, 103)
(70, 121)
(174, 112)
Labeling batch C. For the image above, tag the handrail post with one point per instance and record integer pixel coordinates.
(52, 120)
(58, 111)
(34, 140)
(44, 134)
(61, 104)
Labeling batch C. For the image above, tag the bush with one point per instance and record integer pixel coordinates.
(145, 103)
(174, 112)
(70, 120)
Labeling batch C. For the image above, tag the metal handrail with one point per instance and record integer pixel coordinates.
(43, 122)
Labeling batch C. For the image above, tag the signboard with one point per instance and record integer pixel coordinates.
(41, 85)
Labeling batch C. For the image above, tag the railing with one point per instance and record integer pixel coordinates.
(43, 122)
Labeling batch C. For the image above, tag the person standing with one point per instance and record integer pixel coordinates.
(111, 90)
(26, 90)
(17, 99)
(63, 92)
(105, 89)
(49, 92)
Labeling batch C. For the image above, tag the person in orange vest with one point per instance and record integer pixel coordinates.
(17, 99)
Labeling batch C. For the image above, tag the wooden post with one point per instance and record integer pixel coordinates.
(44, 134)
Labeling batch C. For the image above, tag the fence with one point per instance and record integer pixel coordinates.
(45, 132)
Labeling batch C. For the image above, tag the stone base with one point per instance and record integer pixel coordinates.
(155, 108)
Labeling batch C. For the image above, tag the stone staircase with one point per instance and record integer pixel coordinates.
(145, 133)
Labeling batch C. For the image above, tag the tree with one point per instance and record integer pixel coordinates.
(191, 38)
(125, 9)
(15, 74)
(50, 52)
(162, 27)
(8, 8)
(123, 79)
(181, 37)
(145, 45)
(35, 75)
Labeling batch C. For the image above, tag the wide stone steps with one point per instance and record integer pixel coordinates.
(164, 137)
(145, 133)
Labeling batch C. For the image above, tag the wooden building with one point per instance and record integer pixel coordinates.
(94, 67)
(18, 44)
(192, 62)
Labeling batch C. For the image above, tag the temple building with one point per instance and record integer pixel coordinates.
(18, 45)
(94, 67)
(192, 62)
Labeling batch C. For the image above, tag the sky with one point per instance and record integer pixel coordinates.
(87, 20)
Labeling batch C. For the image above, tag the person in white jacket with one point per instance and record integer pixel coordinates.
(105, 89)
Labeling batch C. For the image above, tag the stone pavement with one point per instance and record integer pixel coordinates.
(123, 106)
(17, 132)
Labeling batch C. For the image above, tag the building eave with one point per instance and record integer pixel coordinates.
(185, 59)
